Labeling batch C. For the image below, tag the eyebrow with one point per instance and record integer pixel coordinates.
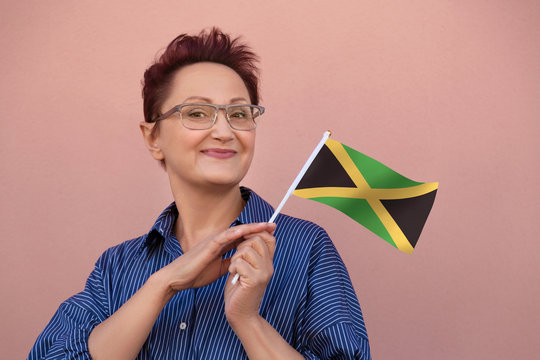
(205, 99)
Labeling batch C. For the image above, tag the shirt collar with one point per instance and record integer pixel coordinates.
(256, 210)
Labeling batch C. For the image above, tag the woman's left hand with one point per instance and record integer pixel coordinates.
(253, 262)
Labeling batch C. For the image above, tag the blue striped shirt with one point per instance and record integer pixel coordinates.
(310, 300)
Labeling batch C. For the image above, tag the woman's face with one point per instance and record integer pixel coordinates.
(216, 156)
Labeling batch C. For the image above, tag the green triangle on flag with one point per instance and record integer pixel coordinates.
(387, 203)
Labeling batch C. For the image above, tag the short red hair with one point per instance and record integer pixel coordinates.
(211, 46)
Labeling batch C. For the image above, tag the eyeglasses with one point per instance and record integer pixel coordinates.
(196, 116)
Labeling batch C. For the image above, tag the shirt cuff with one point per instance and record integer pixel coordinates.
(339, 341)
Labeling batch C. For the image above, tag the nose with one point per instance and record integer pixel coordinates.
(221, 128)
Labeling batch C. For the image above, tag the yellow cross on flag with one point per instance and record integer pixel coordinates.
(387, 203)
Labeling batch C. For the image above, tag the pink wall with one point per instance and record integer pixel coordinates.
(442, 91)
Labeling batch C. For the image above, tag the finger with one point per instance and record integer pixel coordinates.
(267, 239)
(243, 268)
(250, 255)
(249, 274)
(255, 243)
(263, 266)
(271, 227)
(248, 230)
(239, 231)
(219, 242)
(232, 245)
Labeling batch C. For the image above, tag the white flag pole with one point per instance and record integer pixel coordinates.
(294, 184)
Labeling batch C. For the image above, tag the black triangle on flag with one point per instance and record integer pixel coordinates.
(410, 214)
(325, 171)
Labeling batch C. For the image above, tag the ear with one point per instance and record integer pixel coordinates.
(151, 141)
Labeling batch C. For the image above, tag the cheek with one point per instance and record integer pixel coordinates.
(181, 140)
(249, 145)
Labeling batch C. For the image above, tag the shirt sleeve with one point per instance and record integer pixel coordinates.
(333, 326)
(66, 335)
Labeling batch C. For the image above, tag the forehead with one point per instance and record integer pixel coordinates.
(214, 81)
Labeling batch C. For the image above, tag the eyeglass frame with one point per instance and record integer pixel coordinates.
(178, 108)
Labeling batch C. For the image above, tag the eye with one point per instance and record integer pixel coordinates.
(197, 114)
(239, 114)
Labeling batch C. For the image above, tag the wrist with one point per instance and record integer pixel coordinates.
(245, 323)
(261, 341)
(161, 283)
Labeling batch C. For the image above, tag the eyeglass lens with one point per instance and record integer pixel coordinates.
(241, 117)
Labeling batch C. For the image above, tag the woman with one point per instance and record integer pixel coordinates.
(165, 295)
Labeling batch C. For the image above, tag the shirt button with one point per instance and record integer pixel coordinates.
(183, 326)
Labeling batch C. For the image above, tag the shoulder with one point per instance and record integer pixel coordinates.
(300, 231)
(302, 244)
(122, 253)
(300, 224)
(306, 247)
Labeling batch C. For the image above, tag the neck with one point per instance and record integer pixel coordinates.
(204, 212)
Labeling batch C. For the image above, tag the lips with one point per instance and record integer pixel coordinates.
(219, 153)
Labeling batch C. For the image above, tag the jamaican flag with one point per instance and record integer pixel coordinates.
(387, 203)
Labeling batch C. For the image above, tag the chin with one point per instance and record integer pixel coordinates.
(223, 180)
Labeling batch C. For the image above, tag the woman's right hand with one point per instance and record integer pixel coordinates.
(203, 263)
(122, 334)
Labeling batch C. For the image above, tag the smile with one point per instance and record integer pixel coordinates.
(219, 153)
